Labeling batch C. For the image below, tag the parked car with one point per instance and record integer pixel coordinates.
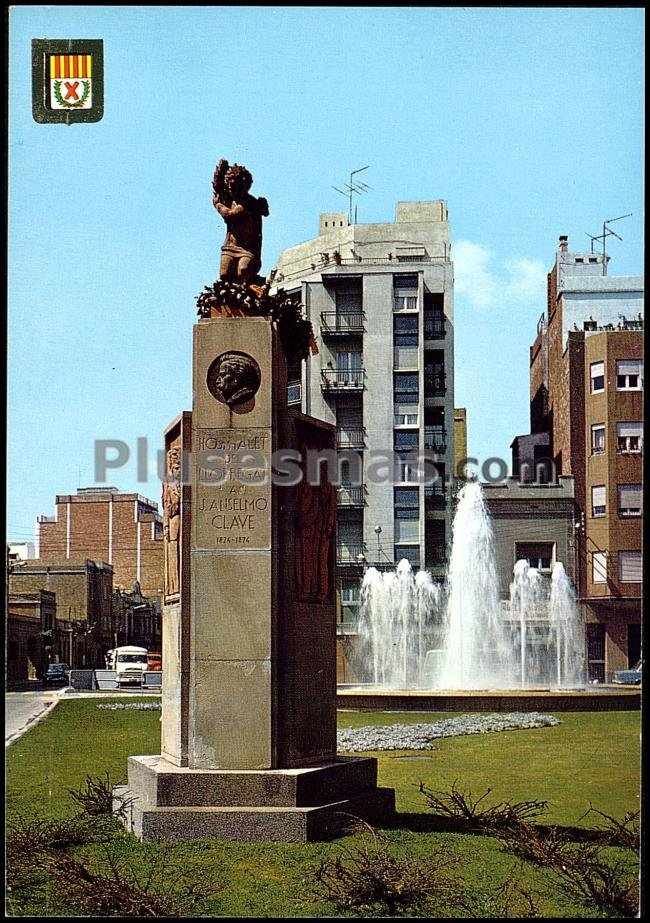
(154, 662)
(628, 677)
(57, 674)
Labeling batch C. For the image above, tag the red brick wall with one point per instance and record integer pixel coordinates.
(90, 520)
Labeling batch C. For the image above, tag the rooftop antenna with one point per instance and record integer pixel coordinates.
(354, 187)
(607, 232)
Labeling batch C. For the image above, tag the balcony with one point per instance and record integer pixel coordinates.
(335, 324)
(339, 380)
(434, 386)
(351, 496)
(351, 439)
(434, 329)
(351, 553)
(435, 498)
(436, 440)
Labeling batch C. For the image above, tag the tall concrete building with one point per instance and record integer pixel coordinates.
(102, 524)
(586, 400)
(380, 299)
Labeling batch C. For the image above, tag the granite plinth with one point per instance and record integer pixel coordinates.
(164, 802)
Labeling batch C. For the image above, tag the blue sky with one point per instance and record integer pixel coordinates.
(528, 122)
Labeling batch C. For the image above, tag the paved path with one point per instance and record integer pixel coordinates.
(23, 709)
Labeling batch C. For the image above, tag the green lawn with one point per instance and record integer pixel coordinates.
(588, 757)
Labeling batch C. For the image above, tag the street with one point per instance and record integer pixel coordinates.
(22, 709)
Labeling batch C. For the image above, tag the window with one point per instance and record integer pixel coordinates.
(599, 567)
(629, 499)
(350, 593)
(595, 638)
(629, 375)
(629, 437)
(593, 259)
(410, 552)
(598, 439)
(405, 293)
(579, 259)
(294, 392)
(538, 554)
(598, 500)
(406, 330)
(407, 498)
(348, 300)
(406, 469)
(406, 415)
(407, 439)
(407, 388)
(630, 566)
(597, 377)
(407, 525)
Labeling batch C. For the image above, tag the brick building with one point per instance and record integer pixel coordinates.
(102, 524)
(29, 635)
(460, 441)
(535, 522)
(83, 595)
(586, 397)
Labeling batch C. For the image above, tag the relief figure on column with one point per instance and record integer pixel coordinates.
(172, 520)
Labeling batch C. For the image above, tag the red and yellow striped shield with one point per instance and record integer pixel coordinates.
(71, 81)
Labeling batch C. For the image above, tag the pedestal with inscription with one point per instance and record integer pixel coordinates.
(248, 747)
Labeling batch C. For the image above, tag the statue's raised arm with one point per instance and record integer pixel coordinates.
(241, 253)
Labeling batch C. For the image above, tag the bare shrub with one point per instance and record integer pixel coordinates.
(624, 833)
(505, 902)
(120, 892)
(367, 878)
(470, 813)
(28, 839)
(96, 797)
(588, 872)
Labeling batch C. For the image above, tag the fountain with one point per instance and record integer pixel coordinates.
(416, 634)
(475, 647)
(396, 624)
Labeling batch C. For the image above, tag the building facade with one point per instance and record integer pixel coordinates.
(29, 635)
(101, 524)
(83, 595)
(586, 399)
(380, 299)
(460, 442)
(533, 522)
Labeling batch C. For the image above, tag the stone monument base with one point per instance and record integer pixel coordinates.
(164, 802)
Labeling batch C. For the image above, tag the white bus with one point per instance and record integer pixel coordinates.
(130, 663)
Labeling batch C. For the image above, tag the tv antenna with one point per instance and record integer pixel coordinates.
(354, 187)
(607, 232)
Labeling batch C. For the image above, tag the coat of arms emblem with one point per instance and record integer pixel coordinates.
(71, 79)
(67, 80)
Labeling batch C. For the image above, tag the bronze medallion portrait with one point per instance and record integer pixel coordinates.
(234, 379)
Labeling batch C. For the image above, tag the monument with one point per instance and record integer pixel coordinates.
(248, 741)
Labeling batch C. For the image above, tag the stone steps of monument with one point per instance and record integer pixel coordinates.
(279, 824)
(161, 784)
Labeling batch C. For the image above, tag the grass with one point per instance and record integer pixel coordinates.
(589, 757)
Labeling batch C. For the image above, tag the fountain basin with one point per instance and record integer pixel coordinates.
(366, 697)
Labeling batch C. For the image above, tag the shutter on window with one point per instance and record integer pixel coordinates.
(630, 429)
(630, 367)
(598, 496)
(629, 497)
(598, 368)
(599, 567)
(631, 567)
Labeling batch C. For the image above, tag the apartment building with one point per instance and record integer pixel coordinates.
(102, 524)
(81, 594)
(380, 299)
(586, 400)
